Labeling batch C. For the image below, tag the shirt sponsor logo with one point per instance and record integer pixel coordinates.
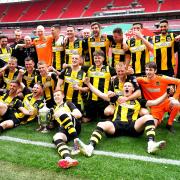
(5, 56)
(57, 49)
(97, 44)
(71, 51)
(28, 78)
(138, 48)
(97, 74)
(154, 89)
(118, 51)
(129, 106)
(41, 45)
(71, 80)
(119, 93)
(163, 44)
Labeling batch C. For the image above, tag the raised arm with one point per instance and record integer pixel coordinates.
(96, 91)
(59, 83)
(145, 41)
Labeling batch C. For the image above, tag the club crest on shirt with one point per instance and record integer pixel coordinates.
(168, 39)
(157, 83)
(48, 79)
(132, 103)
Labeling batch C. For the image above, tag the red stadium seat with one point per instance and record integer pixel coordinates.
(34, 11)
(95, 6)
(14, 11)
(75, 8)
(169, 5)
(55, 10)
(150, 6)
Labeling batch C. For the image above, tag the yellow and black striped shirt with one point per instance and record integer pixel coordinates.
(117, 86)
(30, 103)
(49, 84)
(164, 51)
(12, 103)
(28, 78)
(93, 44)
(139, 55)
(5, 54)
(58, 55)
(127, 112)
(72, 48)
(8, 77)
(118, 53)
(100, 79)
(71, 78)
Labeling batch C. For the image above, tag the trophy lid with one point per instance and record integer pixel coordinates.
(44, 109)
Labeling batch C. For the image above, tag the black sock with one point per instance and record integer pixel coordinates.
(1, 129)
(96, 136)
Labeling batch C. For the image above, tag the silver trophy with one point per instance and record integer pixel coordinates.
(44, 118)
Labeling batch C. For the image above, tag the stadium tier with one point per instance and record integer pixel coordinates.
(55, 9)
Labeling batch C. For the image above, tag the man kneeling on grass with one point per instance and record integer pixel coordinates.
(67, 116)
(125, 121)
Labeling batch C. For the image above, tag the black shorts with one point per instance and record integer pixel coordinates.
(77, 125)
(125, 129)
(9, 115)
(95, 109)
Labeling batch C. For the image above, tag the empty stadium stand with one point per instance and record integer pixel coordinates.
(150, 6)
(34, 11)
(15, 11)
(170, 5)
(54, 11)
(75, 8)
(95, 6)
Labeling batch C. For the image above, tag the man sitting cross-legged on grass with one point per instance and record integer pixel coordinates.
(125, 121)
(66, 114)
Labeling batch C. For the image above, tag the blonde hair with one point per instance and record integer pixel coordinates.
(41, 63)
(120, 65)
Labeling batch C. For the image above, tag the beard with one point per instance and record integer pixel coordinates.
(163, 31)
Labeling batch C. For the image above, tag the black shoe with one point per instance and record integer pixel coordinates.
(170, 128)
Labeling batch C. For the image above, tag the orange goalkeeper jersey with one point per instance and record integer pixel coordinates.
(154, 88)
(44, 49)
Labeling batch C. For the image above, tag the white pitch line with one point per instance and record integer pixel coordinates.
(104, 153)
